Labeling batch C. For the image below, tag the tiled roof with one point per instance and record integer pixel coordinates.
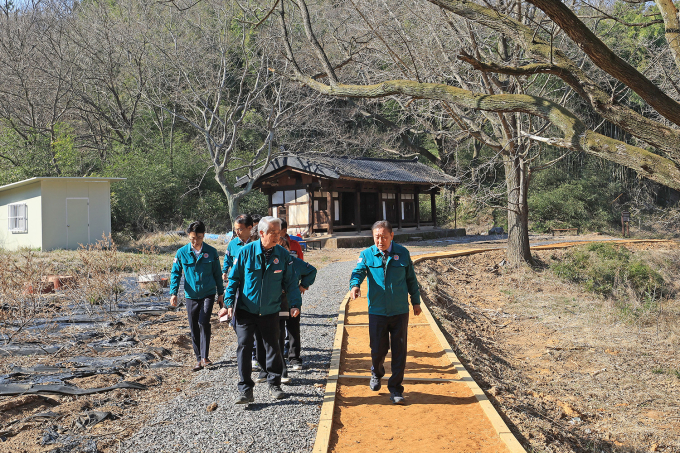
(387, 170)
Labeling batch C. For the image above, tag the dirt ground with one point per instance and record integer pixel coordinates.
(568, 372)
(25, 420)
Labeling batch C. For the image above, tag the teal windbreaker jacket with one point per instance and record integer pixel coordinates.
(306, 273)
(234, 246)
(389, 287)
(202, 276)
(259, 284)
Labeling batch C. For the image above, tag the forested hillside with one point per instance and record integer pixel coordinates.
(183, 97)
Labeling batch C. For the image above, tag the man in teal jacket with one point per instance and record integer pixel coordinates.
(200, 264)
(259, 274)
(305, 274)
(391, 279)
(243, 225)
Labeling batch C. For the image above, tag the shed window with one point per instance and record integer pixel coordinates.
(300, 196)
(18, 218)
(277, 197)
(290, 196)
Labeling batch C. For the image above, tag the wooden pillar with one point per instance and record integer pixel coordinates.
(455, 211)
(433, 203)
(357, 209)
(331, 213)
(310, 205)
(417, 202)
(271, 207)
(400, 211)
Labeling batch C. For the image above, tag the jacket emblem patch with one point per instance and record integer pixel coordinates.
(235, 260)
(396, 257)
(205, 255)
(359, 261)
(276, 261)
(278, 271)
(175, 260)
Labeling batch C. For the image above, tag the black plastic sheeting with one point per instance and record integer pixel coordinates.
(28, 389)
(91, 418)
(9, 350)
(119, 362)
(69, 444)
(80, 367)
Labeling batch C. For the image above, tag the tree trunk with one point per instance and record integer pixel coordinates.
(517, 182)
(234, 206)
(233, 199)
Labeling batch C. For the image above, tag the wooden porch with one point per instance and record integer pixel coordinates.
(353, 239)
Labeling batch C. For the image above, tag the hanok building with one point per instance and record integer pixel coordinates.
(326, 194)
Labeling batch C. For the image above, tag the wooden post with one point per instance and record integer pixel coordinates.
(455, 211)
(331, 213)
(310, 210)
(271, 207)
(357, 209)
(433, 204)
(417, 201)
(400, 211)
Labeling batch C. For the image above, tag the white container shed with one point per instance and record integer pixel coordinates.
(55, 213)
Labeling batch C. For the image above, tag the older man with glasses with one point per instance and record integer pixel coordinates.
(391, 279)
(259, 274)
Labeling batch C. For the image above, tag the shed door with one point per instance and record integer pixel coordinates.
(77, 222)
(390, 211)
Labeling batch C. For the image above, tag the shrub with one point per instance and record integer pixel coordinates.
(612, 271)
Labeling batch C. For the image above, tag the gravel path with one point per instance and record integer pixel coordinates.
(184, 423)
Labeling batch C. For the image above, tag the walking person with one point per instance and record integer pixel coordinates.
(391, 279)
(200, 264)
(305, 274)
(260, 272)
(243, 229)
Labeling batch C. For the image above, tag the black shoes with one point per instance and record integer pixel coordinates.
(276, 392)
(245, 398)
(375, 383)
(397, 398)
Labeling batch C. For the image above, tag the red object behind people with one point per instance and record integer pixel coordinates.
(295, 247)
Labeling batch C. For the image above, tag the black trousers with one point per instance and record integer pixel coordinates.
(198, 312)
(293, 327)
(389, 332)
(267, 328)
(261, 350)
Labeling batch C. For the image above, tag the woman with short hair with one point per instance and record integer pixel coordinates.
(200, 264)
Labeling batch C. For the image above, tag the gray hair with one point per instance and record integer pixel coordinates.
(263, 226)
(382, 224)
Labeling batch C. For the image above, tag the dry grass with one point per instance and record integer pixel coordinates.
(22, 300)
